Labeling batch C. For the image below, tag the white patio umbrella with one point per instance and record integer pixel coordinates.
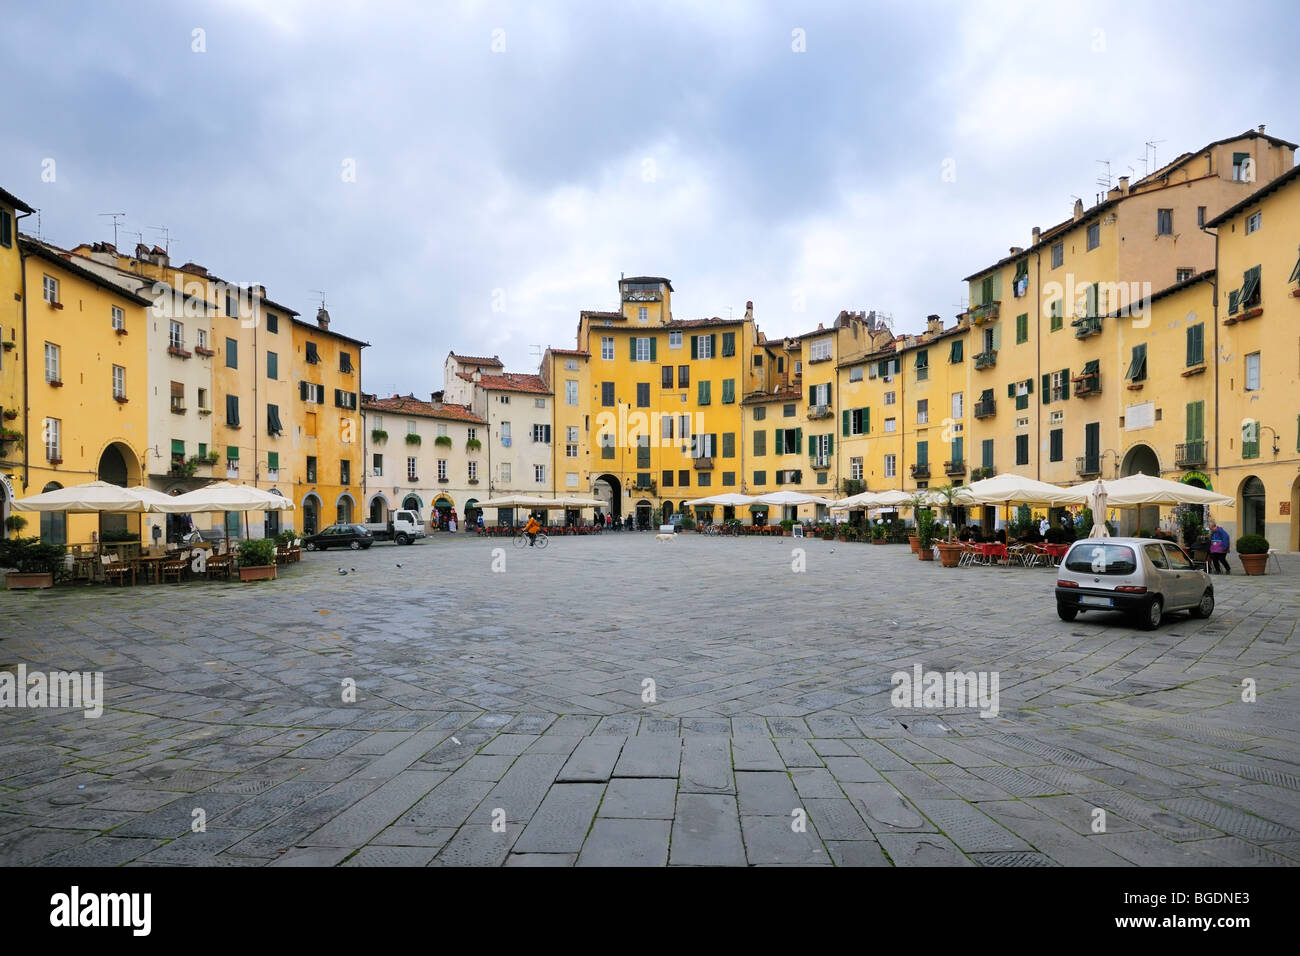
(1140, 489)
(1097, 502)
(790, 498)
(226, 496)
(522, 501)
(865, 499)
(95, 497)
(1009, 488)
(729, 499)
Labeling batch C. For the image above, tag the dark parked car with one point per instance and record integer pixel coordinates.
(352, 536)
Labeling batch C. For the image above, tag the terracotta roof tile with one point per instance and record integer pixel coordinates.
(510, 382)
(410, 405)
(476, 360)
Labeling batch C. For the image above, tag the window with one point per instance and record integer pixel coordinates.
(272, 366)
(922, 411)
(505, 435)
(1056, 315)
(683, 477)
(345, 472)
(410, 469)
(819, 350)
(891, 398)
(1022, 327)
(856, 421)
(342, 399)
(571, 449)
(706, 445)
(607, 394)
(313, 356)
(203, 399)
(788, 411)
(1253, 222)
(702, 346)
(986, 453)
(311, 468)
(958, 405)
(442, 430)
(674, 340)
(704, 392)
(1250, 439)
(539, 403)
(683, 376)
(1056, 444)
(705, 479)
(855, 374)
(1183, 273)
(50, 289)
(377, 465)
(642, 350)
(505, 471)
(760, 413)
(787, 441)
(728, 444)
(1242, 168)
(728, 344)
(666, 376)
(760, 478)
(1056, 418)
(542, 433)
(1200, 216)
(891, 466)
(345, 362)
(855, 469)
(1252, 372)
(666, 427)
(1058, 255)
(642, 314)
(1059, 385)
(273, 424)
(232, 353)
(232, 306)
(176, 335)
(642, 394)
(272, 323)
(1094, 236)
(53, 446)
(1164, 222)
(6, 229)
(922, 365)
(178, 397)
(571, 433)
(201, 338)
(606, 445)
(1022, 449)
(232, 411)
(891, 424)
(473, 470)
(760, 443)
(442, 469)
(729, 391)
(52, 363)
(119, 318)
(570, 365)
(607, 348)
(539, 474)
(1137, 366)
(471, 434)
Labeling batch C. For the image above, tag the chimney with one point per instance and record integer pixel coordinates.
(1261, 127)
(477, 376)
(1123, 185)
(1034, 236)
(749, 311)
(1078, 209)
(322, 318)
(1016, 250)
(933, 324)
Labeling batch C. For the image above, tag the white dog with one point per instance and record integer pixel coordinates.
(666, 536)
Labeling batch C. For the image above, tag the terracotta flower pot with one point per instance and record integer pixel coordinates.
(259, 572)
(925, 554)
(949, 554)
(1254, 563)
(915, 542)
(18, 580)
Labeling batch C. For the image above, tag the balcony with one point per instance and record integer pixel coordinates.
(986, 360)
(821, 461)
(1089, 325)
(986, 408)
(1086, 385)
(1189, 454)
(819, 411)
(703, 464)
(954, 469)
(986, 471)
(1086, 467)
(983, 313)
(921, 471)
(175, 349)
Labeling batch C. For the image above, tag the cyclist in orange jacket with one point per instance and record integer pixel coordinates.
(531, 529)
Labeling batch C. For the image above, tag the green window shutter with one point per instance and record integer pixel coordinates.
(844, 417)
(728, 391)
(1233, 299)
(1065, 383)
(178, 446)
(866, 421)
(923, 453)
(986, 452)
(958, 449)
(632, 348)
(830, 444)
(1022, 401)
(273, 461)
(1196, 421)
(232, 452)
(798, 441)
(695, 346)
(203, 449)
(1047, 388)
(1022, 327)
(1011, 389)
(653, 342)
(1239, 158)
(1295, 273)
(713, 345)
(997, 336)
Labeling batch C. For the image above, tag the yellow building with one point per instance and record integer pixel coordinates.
(328, 445)
(13, 378)
(1254, 352)
(86, 416)
(567, 376)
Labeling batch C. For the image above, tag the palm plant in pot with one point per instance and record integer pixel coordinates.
(949, 550)
(925, 534)
(878, 532)
(918, 504)
(257, 559)
(1253, 551)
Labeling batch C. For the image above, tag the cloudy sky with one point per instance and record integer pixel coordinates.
(470, 175)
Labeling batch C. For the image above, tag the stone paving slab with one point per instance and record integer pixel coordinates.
(773, 741)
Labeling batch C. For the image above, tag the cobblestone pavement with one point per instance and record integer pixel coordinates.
(517, 698)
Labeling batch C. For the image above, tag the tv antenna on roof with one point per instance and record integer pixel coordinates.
(115, 216)
(321, 293)
(1151, 144)
(167, 238)
(1104, 179)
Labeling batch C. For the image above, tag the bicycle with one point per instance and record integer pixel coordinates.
(521, 540)
(713, 529)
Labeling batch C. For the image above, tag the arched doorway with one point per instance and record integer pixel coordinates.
(54, 524)
(344, 508)
(610, 490)
(378, 512)
(310, 514)
(442, 509)
(412, 503)
(643, 511)
(667, 511)
(115, 463)
(271, 519)
(472, 511)
(1251, 513)
(1295, 516)
(1139, 460)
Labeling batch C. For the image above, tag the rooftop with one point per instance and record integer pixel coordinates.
(510, 382)
(477, 360)
(410, 405)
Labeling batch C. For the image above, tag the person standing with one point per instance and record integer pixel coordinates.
(1219, 548)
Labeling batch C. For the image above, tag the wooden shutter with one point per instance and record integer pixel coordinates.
(695, 346)
(844, 416)
(1047, 387)
(653, 341)
(798, 441)
(1065, 383)
(830, 444)
(866, 421)
(713, 345)
(632, 342)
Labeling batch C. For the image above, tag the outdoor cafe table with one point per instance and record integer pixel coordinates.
(989, 550)
(150, 563)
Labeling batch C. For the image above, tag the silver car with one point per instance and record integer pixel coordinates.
(1144, 577)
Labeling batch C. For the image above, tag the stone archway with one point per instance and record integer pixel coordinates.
(311, 505)
(1251, 510)
(378, 509)
(344, 509)
(610, 490)
(413, 502)
(118, 465)
(54, 524)
(1139, 460)
(1294, 544)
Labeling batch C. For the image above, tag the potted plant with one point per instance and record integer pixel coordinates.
(15, 524)
(257, 559)
(925, 534)
(9, 434)
(443, 440)
(949, 551)
(687, 522)
(34, 564)
(786, 527)
(413, 439)
(11, 414)
(1253, 551)
(878, 533)
(378, 434)
(473, 444)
